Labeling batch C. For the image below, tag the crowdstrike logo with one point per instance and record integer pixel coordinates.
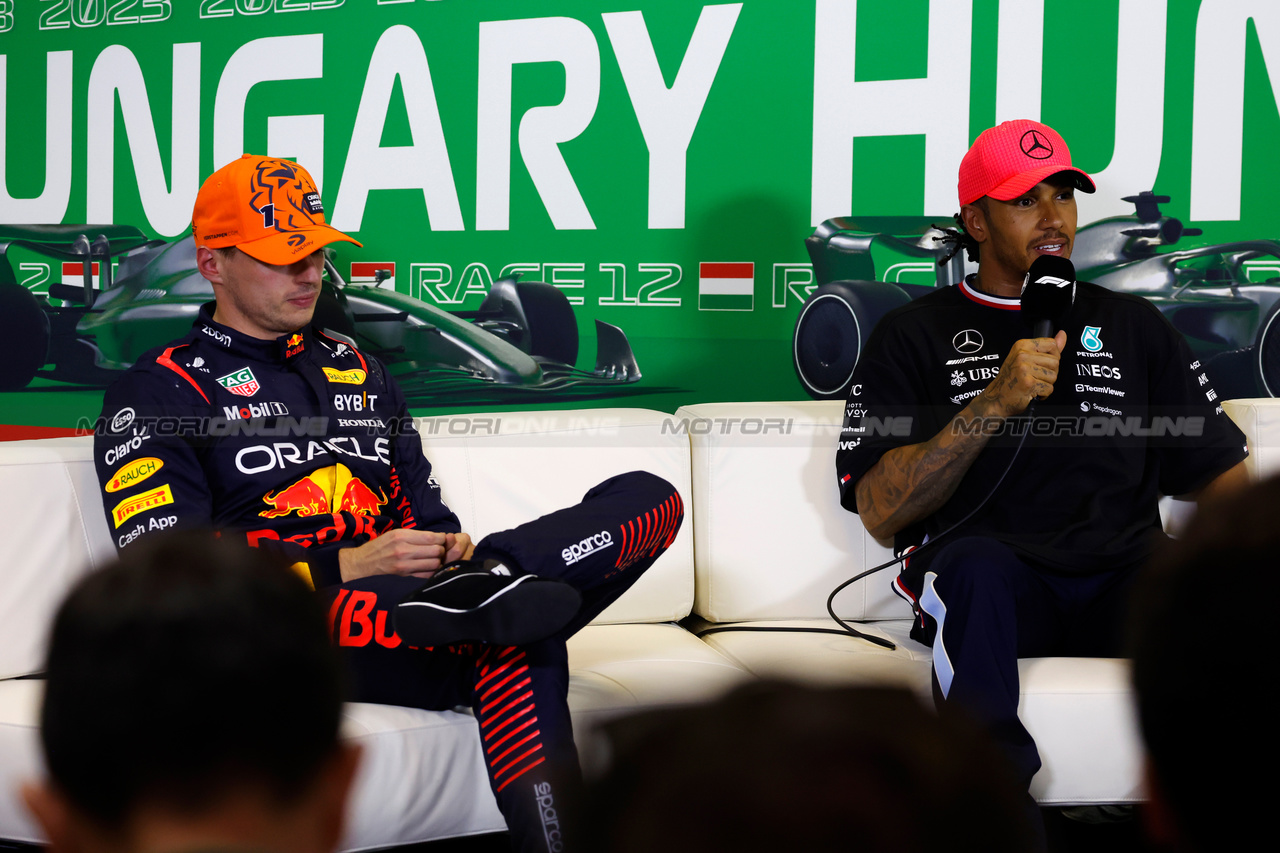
(587, 547)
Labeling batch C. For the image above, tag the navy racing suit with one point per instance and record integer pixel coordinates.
(304, 446)
(302, 443)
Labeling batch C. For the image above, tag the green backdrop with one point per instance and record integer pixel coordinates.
(612, 149)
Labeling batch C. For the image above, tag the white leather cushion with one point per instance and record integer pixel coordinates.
(1079, 710)
(422, 776)
(20, 758)
(500, 470)
(771, 538)
(1259, 419)
(51, 530)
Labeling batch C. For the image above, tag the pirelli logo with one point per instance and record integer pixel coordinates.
(346, 377)
(144, 502)
(134, 473)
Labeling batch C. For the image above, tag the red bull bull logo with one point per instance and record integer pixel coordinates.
(305, 498)
(359, 499)
(323, 491)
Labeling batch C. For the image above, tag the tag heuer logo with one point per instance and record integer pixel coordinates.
(241, 382)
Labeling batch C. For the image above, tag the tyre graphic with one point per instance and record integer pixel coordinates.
(25, 328)
(1267, 354)
(832, 329)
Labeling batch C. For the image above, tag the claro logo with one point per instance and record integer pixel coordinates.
(586, 547)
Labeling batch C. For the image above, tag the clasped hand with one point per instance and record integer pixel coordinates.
(1028, 373)
(402, 551)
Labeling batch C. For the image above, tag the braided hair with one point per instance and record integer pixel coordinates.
(956, 239)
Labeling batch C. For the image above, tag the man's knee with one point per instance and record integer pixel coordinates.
(976, 565)
(640, 485)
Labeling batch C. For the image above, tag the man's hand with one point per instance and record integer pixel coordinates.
(1028, 373)
(912, 481)
(414, 553)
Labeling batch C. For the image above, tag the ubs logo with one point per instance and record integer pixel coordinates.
(968, 341)
(1036, 146)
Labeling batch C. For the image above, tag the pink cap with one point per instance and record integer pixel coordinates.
(1011, 158)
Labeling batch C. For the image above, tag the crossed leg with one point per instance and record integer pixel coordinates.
(518, 693)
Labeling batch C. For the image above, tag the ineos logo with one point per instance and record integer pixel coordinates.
(1035, 145)
(968, 341)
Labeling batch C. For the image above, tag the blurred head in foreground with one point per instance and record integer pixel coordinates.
(192, 701)
(1196, 644)
(785, 767)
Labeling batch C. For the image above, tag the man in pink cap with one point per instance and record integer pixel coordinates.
(1029, 526)
(268, 427)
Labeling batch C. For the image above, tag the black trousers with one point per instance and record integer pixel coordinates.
(985, 608)
(518, 693)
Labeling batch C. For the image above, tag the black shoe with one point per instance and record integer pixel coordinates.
(483, 601)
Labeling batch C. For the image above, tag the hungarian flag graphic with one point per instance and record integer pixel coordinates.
(726, 286)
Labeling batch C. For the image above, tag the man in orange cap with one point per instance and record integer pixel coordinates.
(1032, 528)
(264, 426)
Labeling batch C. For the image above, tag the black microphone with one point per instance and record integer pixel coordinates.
(1048, 294)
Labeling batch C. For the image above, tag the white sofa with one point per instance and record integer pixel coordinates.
(764, 542)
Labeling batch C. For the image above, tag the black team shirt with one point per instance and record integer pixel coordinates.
(1132, 416)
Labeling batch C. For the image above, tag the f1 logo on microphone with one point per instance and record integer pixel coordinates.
(1053, 280)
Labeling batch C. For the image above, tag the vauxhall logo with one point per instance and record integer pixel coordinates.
(968, 341)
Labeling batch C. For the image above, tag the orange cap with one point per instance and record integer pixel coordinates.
(267, 207)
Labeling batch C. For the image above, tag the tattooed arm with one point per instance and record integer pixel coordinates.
(911, 482)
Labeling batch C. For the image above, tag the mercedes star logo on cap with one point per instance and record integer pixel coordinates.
(1035, 145)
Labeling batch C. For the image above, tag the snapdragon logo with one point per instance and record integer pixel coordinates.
(587, 547)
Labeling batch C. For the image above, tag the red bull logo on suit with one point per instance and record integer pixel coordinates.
(323, 491)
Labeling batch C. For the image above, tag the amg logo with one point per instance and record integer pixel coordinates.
(586, 547)
(988, 357)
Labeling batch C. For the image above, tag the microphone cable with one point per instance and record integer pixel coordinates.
(845, 628)
(880, 641)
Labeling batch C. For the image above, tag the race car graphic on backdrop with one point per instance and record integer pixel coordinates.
(522, 338)
(1223, 298)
